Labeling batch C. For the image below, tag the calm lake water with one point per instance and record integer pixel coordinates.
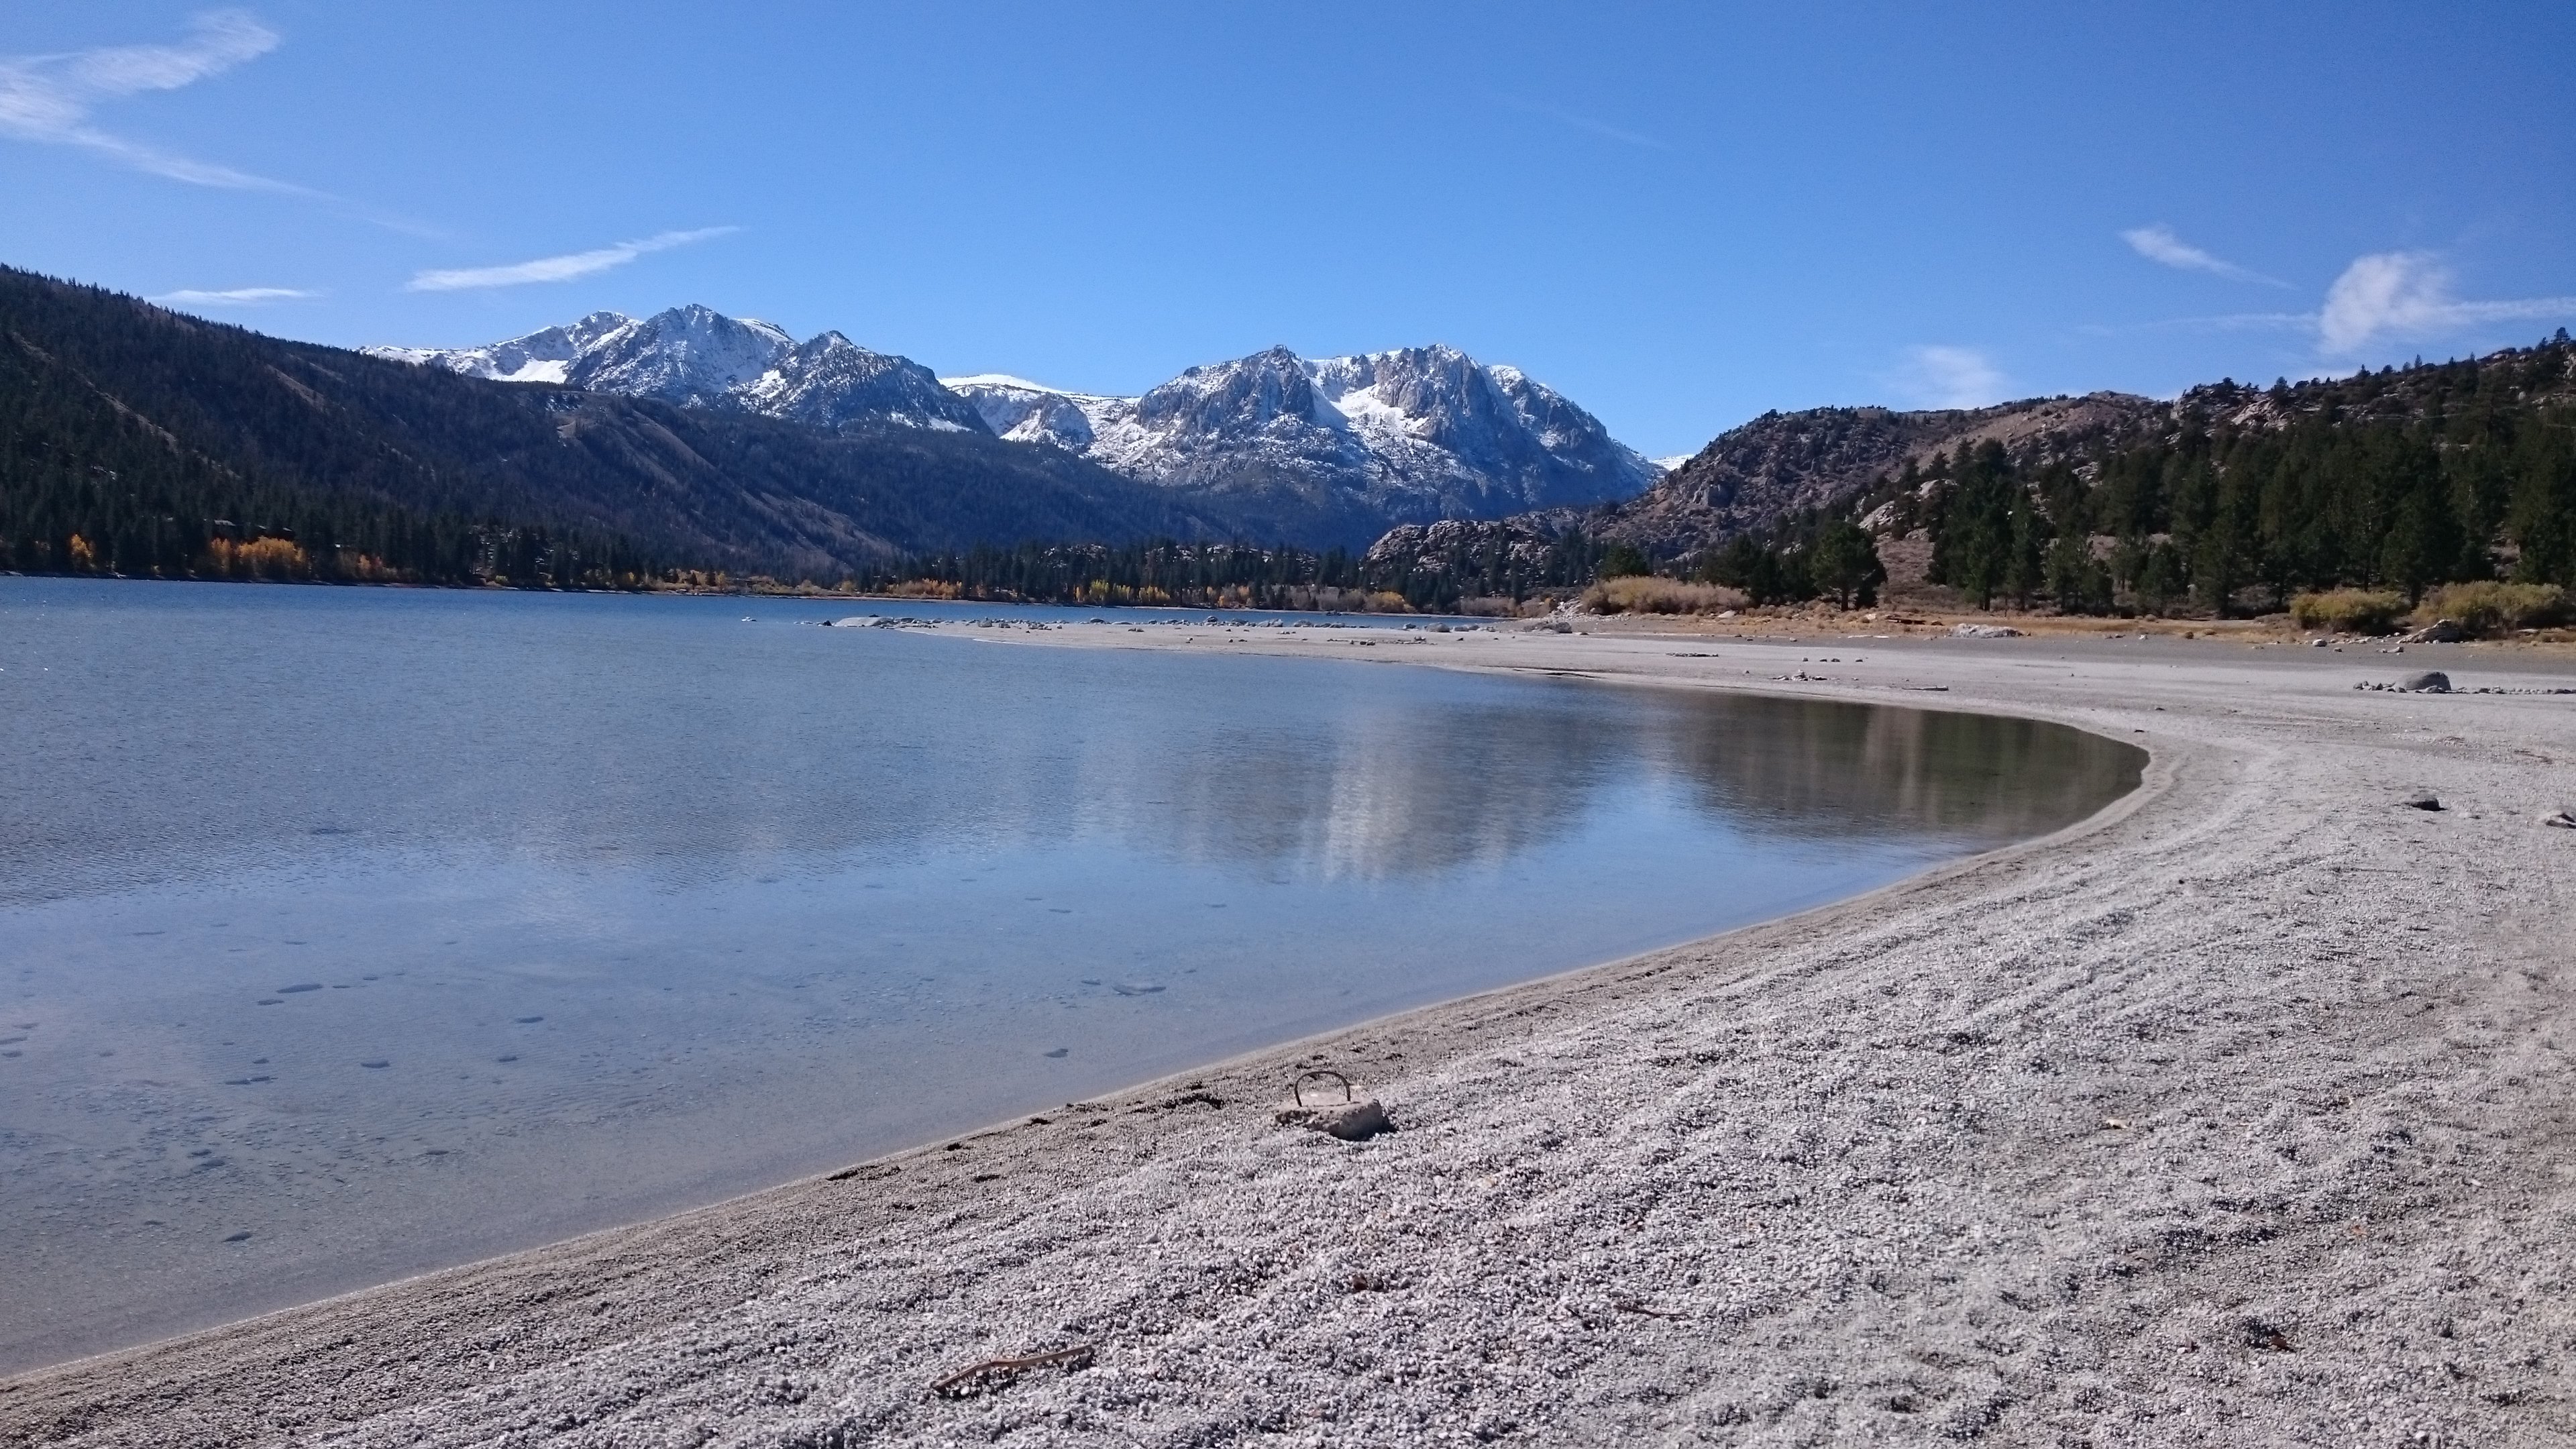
(347, 933)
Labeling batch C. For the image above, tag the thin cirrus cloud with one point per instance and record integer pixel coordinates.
(565, 268)
(1590, 124)
(1939, 376)
(2159, 244)
(50, 99)
(232, 297)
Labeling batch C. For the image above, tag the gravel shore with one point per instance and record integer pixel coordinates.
(2238, 1115)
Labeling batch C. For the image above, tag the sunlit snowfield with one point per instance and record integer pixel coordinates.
(349, 932)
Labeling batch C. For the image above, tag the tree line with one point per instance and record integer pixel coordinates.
(2401, 480)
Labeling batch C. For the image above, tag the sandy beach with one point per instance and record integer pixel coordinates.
(2237, 1115)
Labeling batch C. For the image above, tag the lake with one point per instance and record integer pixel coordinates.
(347, 933)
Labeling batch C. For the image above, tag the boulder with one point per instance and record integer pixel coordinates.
(1349, 1121)
(2431, 681)
(2440, 631)
(1984, 631)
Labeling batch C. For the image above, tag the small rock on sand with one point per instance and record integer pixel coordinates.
(2420, 800)
(1984, 631)
(2431, 681)
(1349, 1121)
(2559, 818)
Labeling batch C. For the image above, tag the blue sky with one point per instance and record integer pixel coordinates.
(1680, 215)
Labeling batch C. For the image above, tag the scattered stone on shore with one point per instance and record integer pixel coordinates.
(2420, 800)
(2432, 681)
(1984, 631)
(2440, 631)
(2560, 819)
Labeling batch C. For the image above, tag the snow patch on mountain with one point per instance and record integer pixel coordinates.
(541, 356)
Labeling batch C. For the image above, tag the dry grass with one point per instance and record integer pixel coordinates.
(2349, 611)
(2492, 608)
(1640, 594)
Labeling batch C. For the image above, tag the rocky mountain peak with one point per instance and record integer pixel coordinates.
(691, 355)
(1248, 394)
(833, 383)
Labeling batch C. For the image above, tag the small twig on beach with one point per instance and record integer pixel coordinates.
(1297, 1088)
(959, 1384)
(1649, 1312)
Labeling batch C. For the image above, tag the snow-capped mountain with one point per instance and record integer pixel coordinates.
(1415, 434)
(831, 379)
(1312, 451)
(694, 356)
(698, 357)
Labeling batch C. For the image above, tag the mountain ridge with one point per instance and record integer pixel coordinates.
(1320, 452)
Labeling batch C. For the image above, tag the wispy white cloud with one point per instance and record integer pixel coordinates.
(2159, 244)
(232, 297)
(559, 269)
(1950, 377)
(1591, 124)
(48, 99)
(2383, 297)
(2407, 296)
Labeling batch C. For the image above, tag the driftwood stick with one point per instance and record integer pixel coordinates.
(1649, 1312)
(954, 1384)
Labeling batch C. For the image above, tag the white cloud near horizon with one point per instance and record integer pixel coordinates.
(48, 99)
(232, 296)
(2407, 296)
(1950, 377)
(2158, 244)
(564, 268)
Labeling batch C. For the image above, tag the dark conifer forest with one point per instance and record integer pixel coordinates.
(2400, 480)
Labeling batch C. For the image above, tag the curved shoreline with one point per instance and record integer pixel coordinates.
(1719, 1155)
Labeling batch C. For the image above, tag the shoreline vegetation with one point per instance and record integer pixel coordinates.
(2230, 1116)
(2487, 611)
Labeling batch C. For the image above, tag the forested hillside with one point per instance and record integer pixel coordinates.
(139, 441)
(2239, 497)
(2229, 499)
